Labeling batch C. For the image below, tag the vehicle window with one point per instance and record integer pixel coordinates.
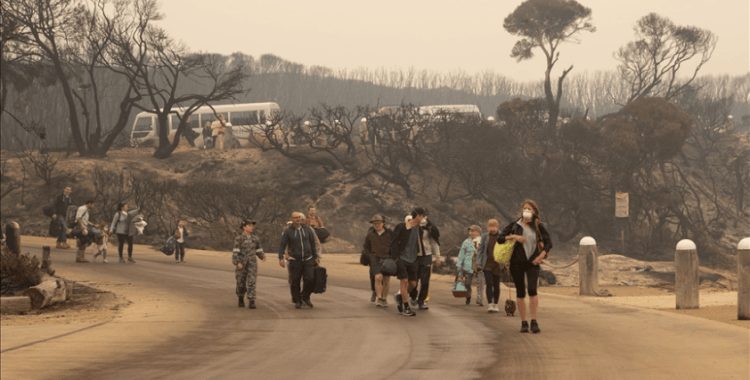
(143, 123)
(245, 118)
(262, 116)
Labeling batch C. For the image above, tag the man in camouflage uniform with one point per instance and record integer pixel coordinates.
(246, 247)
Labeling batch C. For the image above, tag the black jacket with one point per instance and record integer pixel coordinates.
(400, 239)
(301, 243)
(61, 204)
(518, 253)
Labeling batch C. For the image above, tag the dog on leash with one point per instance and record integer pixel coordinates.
(510, 307)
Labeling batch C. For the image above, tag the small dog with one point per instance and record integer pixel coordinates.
(510, 307)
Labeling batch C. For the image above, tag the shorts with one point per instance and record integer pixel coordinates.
(406, 270)
(375, 264)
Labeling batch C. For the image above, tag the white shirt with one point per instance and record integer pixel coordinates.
(83, 214)
(182, 235)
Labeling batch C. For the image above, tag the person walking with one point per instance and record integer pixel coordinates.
(218, 130)
(181, 234)
(431, 239)
(102, 242)
(532, 246)
(123, 225)
(246, 248)
(377, 243)
(61, 210)
(406, 246)
(485, 262)
(207, 132)
(89, 231)
(298, 238)
(464, 262)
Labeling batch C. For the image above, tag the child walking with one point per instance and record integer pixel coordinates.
(101, 244)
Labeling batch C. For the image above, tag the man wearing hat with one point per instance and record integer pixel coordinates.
(246, 247)
(377, 243)
(406, 246)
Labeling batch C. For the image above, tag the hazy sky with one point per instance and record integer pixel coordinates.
(436, 34)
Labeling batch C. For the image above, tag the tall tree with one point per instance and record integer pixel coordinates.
(545, 24)
(650, 64)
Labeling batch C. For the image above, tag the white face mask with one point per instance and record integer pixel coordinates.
(527, 214)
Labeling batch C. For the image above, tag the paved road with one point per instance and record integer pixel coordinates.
(184, 324)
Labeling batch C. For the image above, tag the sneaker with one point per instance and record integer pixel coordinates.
(251, 304)
(494, 308)
(423, 307)
(399, 303)
(308, 303)
(412, 301)
(385, 302)
(177, 261)
(535, 327)
(491, 309)
(480, 303)
(297, 305)
(407, 311)
(524, 326)
(105, 261)
(130, 260)
(240, 302)
(379, 302)
(373, 297)
(122, 261)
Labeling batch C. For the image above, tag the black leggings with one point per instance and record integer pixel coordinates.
(492, 283)
(121, 239)
(517, 271)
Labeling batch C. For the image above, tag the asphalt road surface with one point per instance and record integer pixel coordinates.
(184, 323)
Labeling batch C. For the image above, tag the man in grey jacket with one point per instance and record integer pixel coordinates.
(298, 239)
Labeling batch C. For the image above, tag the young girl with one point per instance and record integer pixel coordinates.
(101, 243)
(464, 263)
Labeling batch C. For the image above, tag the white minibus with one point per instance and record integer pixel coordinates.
(242, 119)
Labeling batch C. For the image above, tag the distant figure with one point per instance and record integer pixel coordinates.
(123, 225)
(181, 234)
(464, 262)
(246, 248)
(207, 132)
(317, 224)
(406, 245)
(102, 243)
(219, 129)
(485, 262)
(431, 253)
(87, 228)
(61, 209)
(377, 243)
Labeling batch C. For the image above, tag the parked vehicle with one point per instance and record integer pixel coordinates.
(243, 120)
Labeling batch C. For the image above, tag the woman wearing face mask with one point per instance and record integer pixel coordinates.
(532, 245)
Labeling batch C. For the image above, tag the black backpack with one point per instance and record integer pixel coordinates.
(49, 209)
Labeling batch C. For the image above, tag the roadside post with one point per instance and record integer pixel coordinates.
(13, 237)
(743, 277)
(588, 267)
(686, 268)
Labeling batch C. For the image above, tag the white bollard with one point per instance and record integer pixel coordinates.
(743, 277)
(686, 269)
(588, 267)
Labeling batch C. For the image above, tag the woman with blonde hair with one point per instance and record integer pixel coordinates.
(532, 245)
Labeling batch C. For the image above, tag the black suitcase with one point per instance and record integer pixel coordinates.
(320, 277)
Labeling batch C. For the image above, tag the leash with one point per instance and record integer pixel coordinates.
(562, 267)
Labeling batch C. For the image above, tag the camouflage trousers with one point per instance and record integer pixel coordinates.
(246, 278)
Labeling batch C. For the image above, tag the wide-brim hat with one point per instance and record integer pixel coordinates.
(476, 228)
(377, 218)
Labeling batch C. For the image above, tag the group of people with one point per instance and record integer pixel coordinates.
(299, 252)
(414, 246)
(214, 133)
(126, 224)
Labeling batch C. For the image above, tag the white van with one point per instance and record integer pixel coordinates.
(242, 119)
(469, 110)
